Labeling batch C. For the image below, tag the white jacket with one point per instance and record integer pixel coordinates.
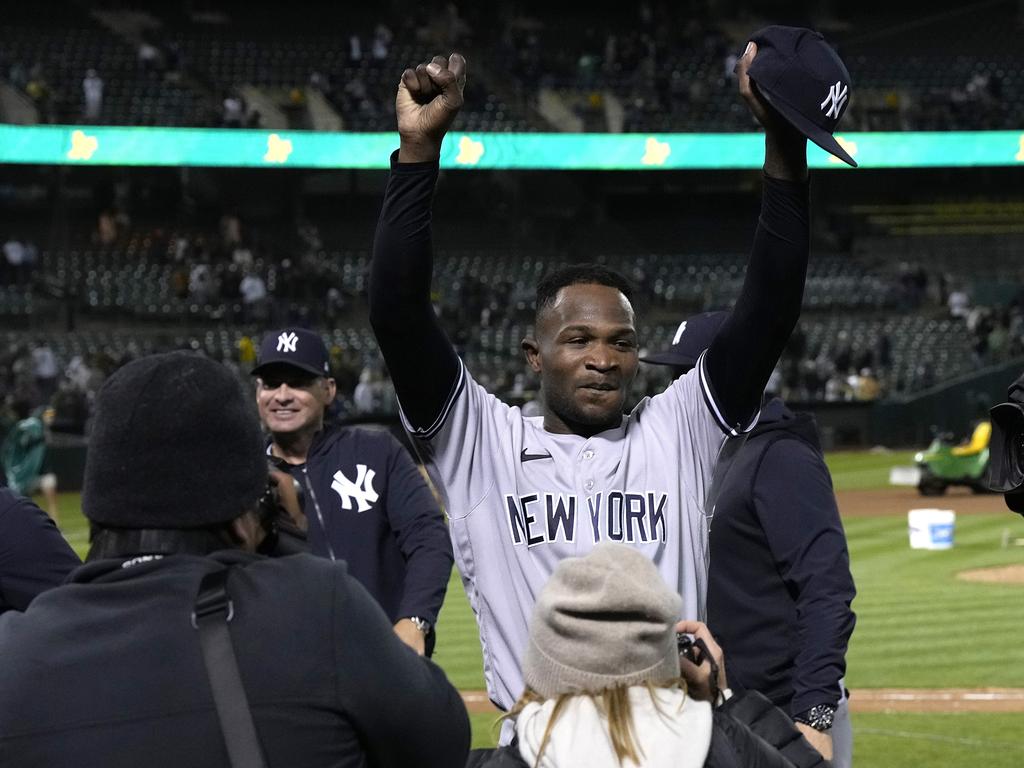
(675, 734)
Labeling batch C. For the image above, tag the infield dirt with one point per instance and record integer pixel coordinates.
(899, 501)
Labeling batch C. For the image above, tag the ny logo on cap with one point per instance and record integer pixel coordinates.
(286, 342)
(679, 332)
(835, 100)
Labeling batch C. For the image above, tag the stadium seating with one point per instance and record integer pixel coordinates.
(665, 72)
(63, 42)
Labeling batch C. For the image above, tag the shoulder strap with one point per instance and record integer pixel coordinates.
(213, 611)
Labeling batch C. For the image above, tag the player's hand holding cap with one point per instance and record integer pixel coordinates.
(804, 79)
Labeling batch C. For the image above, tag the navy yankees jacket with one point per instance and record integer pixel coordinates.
(367, 504)
(779, 582)
(33, 555)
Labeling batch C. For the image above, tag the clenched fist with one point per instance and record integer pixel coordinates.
(429, 98)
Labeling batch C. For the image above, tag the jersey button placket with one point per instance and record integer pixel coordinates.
(586, 456)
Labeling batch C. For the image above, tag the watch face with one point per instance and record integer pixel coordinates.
(819, 717)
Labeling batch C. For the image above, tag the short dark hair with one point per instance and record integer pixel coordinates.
(580, 274)
(112, 542)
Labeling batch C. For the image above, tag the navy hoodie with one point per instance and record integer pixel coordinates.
(779, 582)
(367, 504)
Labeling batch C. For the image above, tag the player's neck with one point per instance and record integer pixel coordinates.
(294, 447)
(560, 426)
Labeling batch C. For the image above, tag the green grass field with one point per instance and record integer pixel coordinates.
(863, 470)
(918, 626)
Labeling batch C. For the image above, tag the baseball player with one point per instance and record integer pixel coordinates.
(23, 454)
(522, 493)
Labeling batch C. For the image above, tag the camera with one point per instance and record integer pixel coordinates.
(687, 647)
(280, 512)
(1006, 472)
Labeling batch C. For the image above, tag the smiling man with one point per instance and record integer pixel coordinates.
(364, 499)
(522, 493)
(584, 348)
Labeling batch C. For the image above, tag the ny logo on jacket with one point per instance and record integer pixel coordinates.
(361, 490)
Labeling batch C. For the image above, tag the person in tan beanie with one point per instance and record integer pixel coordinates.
(606, 686)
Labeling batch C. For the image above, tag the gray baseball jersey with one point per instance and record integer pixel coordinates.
(520, 499)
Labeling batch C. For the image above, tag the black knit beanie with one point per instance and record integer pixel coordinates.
(175, 444)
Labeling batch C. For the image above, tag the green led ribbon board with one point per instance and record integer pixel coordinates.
(87, 145)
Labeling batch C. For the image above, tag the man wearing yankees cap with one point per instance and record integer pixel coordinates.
(365, 501)
(523, 493)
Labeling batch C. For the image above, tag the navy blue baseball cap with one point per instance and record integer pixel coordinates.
(693, 336)
(804, 79)
(297, 347)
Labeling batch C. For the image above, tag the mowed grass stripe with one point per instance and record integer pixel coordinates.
(458, 640)
(961, 740)
(950, 591)
(914, 614)
(857, 470)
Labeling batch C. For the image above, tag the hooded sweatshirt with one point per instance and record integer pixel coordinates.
(779, 583)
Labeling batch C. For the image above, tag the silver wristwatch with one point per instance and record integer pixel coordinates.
(819, 717)
(421, 624)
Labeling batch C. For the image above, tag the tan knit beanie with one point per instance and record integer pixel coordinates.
(602, 621)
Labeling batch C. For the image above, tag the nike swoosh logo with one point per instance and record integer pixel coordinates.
(525, 457)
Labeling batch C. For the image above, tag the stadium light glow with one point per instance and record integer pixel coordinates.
(143, 146)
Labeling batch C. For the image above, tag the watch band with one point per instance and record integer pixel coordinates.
(820, 717)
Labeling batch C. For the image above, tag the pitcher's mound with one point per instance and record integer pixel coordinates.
(1003, 574)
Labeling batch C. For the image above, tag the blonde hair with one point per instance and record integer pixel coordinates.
(612, 702)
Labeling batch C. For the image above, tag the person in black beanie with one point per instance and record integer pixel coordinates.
(108, 669)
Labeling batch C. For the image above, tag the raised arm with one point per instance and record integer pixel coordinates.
(423, 364)
(739, 361)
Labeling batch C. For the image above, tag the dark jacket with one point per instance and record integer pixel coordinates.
(746, 732)
(107, 670)
(779, 583)
(33, 555)
(367, 504)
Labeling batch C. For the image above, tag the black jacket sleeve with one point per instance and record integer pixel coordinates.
(33, 554)
(402, 705)
(419, 527)
(424, 366)
(744, 352)
(808, 544)
(752, 729)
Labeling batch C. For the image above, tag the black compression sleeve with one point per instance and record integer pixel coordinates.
(741, 358)
(423, 364)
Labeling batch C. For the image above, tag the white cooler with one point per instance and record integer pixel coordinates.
(931, 528)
